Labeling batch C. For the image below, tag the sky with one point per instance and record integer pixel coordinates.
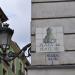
(19, 15)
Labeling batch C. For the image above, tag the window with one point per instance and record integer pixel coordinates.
(4, 72)
(21, 66)
(13, 66)
(21, 69)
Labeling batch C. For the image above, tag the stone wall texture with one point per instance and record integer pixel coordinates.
(54, 13)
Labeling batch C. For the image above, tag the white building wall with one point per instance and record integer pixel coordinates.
(54, 13)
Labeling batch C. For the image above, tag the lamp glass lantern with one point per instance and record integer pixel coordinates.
(5, 36)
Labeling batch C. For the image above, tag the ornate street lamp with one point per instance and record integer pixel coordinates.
(5, 39)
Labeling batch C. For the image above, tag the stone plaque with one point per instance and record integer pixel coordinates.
(49, 39)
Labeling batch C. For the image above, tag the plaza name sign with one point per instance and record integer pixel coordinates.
(49, 39)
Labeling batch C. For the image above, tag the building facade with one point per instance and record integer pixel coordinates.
(53, 37)
(16, 66)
